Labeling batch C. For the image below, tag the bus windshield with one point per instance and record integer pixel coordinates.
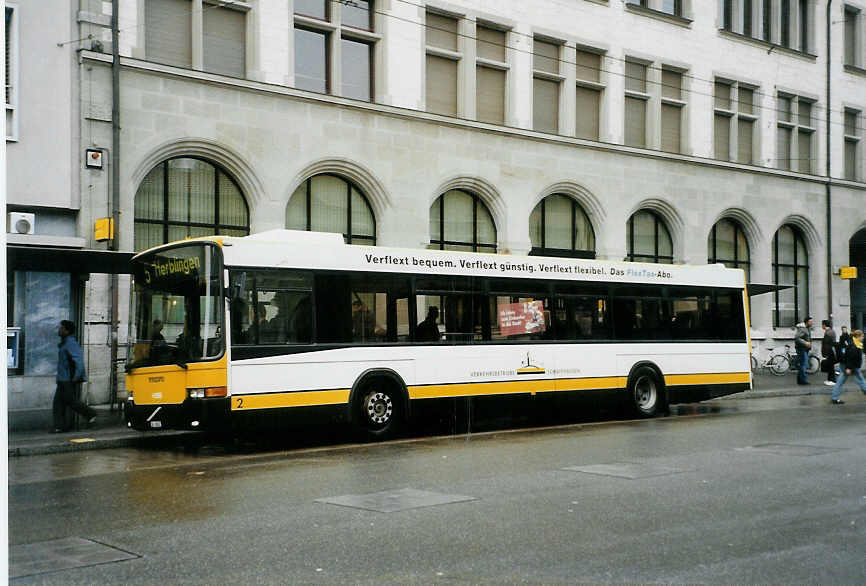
(178, 306)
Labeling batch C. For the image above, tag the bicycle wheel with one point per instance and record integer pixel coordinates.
(754, 362)
(778, 365)
(814, 364)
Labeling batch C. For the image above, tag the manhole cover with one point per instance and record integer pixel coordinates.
(628, 470)
(61, 554)
(789, 449)
(392, 501)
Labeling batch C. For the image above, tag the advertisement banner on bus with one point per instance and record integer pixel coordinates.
(521, 318)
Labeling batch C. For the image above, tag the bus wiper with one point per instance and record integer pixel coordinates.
(182, 364)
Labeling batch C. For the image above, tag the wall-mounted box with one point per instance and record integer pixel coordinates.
(13, 348)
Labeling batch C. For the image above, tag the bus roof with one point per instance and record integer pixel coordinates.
(327, 251)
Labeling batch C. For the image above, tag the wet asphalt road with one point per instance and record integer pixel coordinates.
(745, 491)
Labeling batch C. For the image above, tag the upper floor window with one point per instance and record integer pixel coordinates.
(853, 36)
(558, 226)
(186, 197)
(735, 122)
(672, 108)
(673, 7)
(328, 203)
(654, 106)
(795, 24)
(636, 100)
(795, 133)
(220, 42)
(589, 90)
(312, 8)
(782, 22)
(546, 85)
(459, 220)
(491, 74)
(442, 64)
(853, 149)
(316, 40)
(648, 238)
(11, 73)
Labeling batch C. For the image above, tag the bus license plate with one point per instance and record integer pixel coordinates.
(156, 424)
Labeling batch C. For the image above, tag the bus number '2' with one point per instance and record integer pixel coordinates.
(240, 404)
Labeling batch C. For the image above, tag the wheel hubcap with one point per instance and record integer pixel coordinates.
(645, 393)
(379, 408)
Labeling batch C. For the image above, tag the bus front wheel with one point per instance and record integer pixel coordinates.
(379, 408)
(646, 393)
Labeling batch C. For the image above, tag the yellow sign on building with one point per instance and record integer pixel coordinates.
(848, 272)
(103, 229)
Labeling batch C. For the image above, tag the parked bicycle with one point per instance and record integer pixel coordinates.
(777, 364)
(812, 367)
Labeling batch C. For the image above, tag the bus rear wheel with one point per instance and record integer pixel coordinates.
(646, 394)
(379, 408)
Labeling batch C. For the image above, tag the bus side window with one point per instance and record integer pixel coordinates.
(691, 316)
(589, 318)
(333, 309)
(730, 315)
(275, 307)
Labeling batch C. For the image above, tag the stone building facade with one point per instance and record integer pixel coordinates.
(670, 130)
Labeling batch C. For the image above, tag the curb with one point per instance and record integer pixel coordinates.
(774, 393)
(79, 444)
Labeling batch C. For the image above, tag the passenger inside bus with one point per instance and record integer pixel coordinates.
(363, 322)
(428, 330)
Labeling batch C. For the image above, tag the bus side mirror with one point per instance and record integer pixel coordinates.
(237, 289)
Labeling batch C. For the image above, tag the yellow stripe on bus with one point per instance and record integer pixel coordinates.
(513, 387)
(707, 379)
(588, 384)
(341, 396)
(302, 399)
(469, 389)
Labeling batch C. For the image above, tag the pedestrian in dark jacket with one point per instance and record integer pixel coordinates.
(851, 367)
(803, 343)
(828, 351)
(844, 340)
(70, 375)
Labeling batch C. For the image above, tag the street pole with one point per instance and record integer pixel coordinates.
(828, 187)
(115, 189)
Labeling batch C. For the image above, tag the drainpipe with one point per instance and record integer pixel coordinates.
(115, 187)
(827, 184)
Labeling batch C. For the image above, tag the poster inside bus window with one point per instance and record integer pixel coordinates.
(526, 317)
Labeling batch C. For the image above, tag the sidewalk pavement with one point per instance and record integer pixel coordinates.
(110, 430)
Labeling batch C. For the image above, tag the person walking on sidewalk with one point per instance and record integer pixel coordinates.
(850, 367)
(70, 375)
(844, 340)
(803, 343)
(828, 351)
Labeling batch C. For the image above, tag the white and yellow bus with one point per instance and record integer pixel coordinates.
(230, 327)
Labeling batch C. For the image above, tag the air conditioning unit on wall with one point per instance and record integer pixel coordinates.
(21, 223)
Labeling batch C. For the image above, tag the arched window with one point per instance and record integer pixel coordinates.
(790, 267)
(459, 220)
(187, 197)
(558, 226)
(727, 244)
(328, 203)
(648, 239)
